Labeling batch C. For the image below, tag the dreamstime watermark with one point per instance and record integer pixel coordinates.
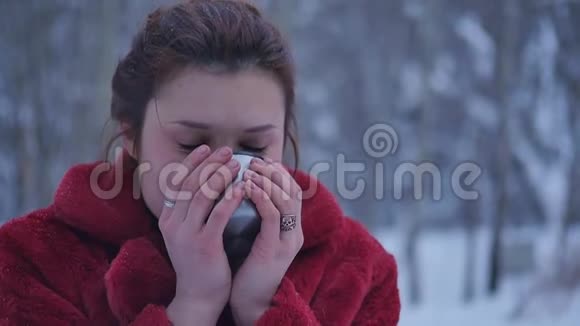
(379, 141)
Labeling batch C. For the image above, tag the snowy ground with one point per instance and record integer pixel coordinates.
(441, 261)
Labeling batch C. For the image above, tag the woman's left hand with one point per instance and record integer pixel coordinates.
(275, 193)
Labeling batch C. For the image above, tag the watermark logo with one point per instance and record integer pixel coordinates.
(379, 141)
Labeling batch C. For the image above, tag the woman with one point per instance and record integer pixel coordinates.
(202, 79)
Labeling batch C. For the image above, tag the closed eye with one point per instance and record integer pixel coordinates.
(254, 149)
(188, 148)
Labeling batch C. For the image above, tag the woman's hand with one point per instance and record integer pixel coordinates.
(274, 192)
(203, 276)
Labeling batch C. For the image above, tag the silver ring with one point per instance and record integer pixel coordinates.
(287, 222)
(168, 203)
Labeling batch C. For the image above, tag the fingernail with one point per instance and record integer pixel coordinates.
(203, 149)
(233, 164)
(238, 188)
(225, 151)
(268, 160)
(257, 161)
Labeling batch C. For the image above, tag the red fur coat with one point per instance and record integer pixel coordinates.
(87, 261)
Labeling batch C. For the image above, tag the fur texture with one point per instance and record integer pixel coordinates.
(88, 261)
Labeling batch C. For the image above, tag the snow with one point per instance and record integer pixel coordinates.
(413, 9)
(481, 44)
(411, 85)
(309, 9)
(442, 79)
(325, 126)
(314, 93)
(482, 110)
(547, 157)
(441, 260)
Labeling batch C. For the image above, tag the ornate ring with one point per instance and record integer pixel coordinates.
(287, 222)
(168, 203)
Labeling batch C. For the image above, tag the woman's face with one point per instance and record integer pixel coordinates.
(243, 110)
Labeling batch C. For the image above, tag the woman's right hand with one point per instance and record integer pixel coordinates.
(195, 247)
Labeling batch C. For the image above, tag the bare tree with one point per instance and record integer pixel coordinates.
(506, 57)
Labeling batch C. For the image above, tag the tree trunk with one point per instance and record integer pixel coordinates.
(506, 54)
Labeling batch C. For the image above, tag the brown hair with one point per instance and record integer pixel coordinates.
(230, 35)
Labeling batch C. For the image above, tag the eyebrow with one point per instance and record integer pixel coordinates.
(205, 126)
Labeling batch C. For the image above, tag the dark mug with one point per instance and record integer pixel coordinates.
(244, 225)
